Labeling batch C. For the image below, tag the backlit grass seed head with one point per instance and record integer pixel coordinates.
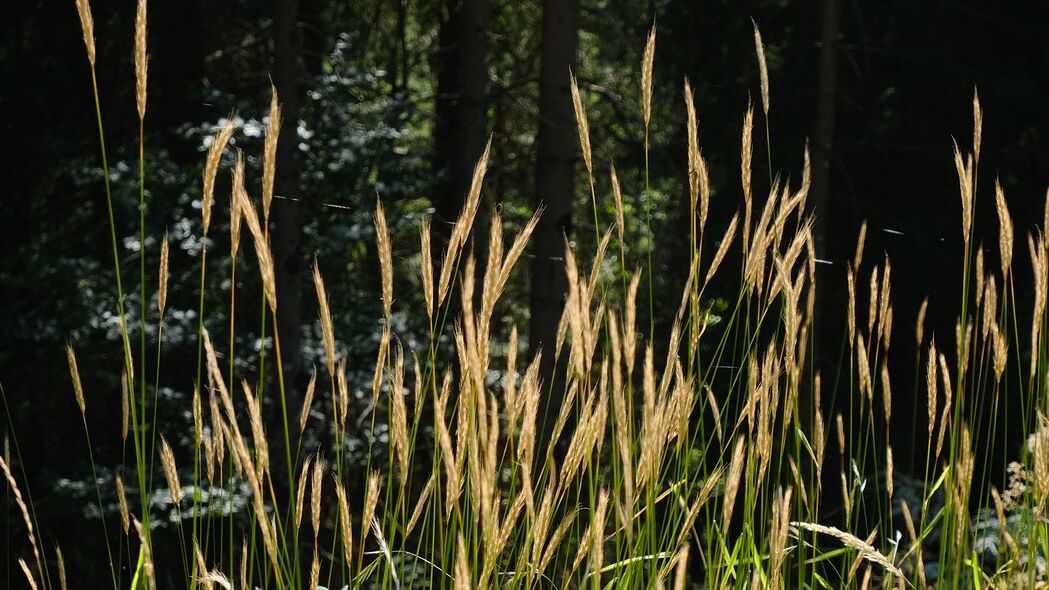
(977, 125)
(646, 76)
(122, 503)
(316, 487)
(162, 293)
(269, 151)
(238, 195)
(87, 25)
(732, 479)
(371, 499)
(125, 412)
(382, 238)
(582, 126)
(300, 492)
(140, 59)
(28, 574)
(211, 169)
(147, 555)
(865, 549)
(763, 69)
(61, 567)
(24, 511)
(307, 400)
(746, 155)
(345, 523)
(167, 462)
(74, 374)
(262, 250)
(327, 327)
(945, 417)
(1005, 229)
(963, 167)
(427, 267)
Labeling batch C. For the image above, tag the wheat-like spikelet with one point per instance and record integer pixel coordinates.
(315, 569)
(463, 224)
(965, 188)
(1040, 269)
(840, 423)
(646, 76)
(735, 471)
(147, 556)
(140, 59)
(167, 462)
(244, 563)
(307, 400)
(23, 509)
(238, 195)
(345, 523)
(258, 430)
(87, 25)
(327, 327)
(122, 503)
(269, 151)
(28, 574)
(919, 330)
(931, 386)
(763, 69)
(198, 420)
(162, 292)
(420, 504)
(74, 374)
(316, 483)
(945, 417)
(977, 125)
(915, 544)
(61, 567)
(778, 536)
(746, 154)
(582, 126)
(211, 168)
(865, 550)
(1005, 228)
(399, 426)
(382, 238)
(371, 499)
(262, 250)
(202, 567)
(427, 267)
(300, 492)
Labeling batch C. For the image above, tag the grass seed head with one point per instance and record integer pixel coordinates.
(74, 374)
(646, 76)
(269, 150)
(87, 25)
(763, 69)
(211, 169)
(582, 126)
(140, 59)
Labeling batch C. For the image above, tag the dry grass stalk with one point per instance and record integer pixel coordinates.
(24, 510)
(719, 255)
(125, 521)
(371, 499)
(1005, 228)
(307, 400)
(300, 492)
(735, 472)
(315, 569)
(147, 556)
(167, 462)
(399, 426)
(420, 504)
(463, 224)
(646, 76)
(87, 25)
(977, 125)
(915, 544)
(582, 125)
(427, 268)
(382, 238)
(61, 567)
(269, 151)
(125, 412)
(262, 250)
(965, 187)
(945, 417)
(931, 385)
(617, 194)
(237, 196)
(258, 430)
(865, 550)
(778, 536)
(316, 489)
(28, 574)
(763, 69)
(162, 293)
(74, 374)
(681, 571)
(327, 327)
(140, 59)
(746, 155)
(211, 168)
(345, 523)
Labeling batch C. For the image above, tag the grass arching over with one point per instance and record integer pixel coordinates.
(704, 467)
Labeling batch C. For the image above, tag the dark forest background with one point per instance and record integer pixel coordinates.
(395, 99)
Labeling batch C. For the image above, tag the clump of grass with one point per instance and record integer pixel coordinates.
(703, 467)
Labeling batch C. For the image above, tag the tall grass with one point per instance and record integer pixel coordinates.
(707, 466)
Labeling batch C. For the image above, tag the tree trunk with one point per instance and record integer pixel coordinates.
(286, 213)
(557, 146)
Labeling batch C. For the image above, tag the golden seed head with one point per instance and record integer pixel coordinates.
(327, 327)
(269, 150)
(87, 25)
(763, 69)
(382, 238)
(646, 75)
(582, 125)
(167, 462)
(211, 168)
(74, 374)
(140, 59)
